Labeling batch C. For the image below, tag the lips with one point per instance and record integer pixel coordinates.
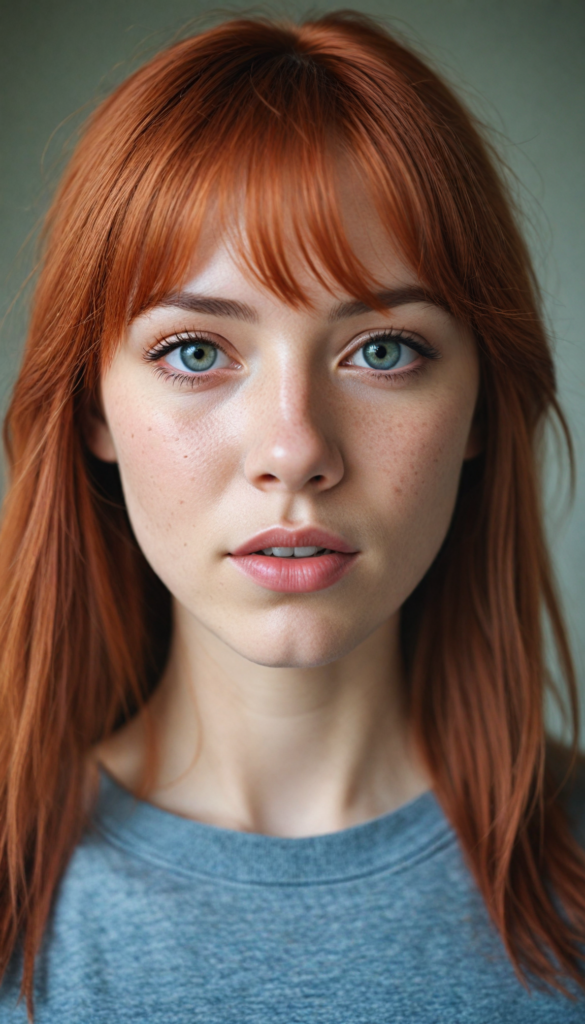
(296, 573)
(306, 538)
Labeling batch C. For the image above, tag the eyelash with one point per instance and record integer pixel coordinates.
(163, 347)
(394, 377)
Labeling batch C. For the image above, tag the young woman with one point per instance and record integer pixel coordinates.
(274, 581)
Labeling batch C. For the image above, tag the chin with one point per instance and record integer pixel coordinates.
(309, 643)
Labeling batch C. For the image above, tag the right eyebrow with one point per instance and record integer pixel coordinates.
(207, 304)
(391, 298)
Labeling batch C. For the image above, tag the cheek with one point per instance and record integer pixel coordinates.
(410, 468)
(174, 468)
(416, 445)
(420, 457)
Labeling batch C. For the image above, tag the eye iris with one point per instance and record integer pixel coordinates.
(198, 355)
(382, 355)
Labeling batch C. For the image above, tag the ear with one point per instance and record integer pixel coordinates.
(97, 433)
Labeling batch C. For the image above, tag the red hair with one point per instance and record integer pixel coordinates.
(259, 113)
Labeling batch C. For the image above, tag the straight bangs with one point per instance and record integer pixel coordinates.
(254, 146)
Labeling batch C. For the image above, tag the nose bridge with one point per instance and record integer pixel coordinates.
(290, 401)
(292, 443)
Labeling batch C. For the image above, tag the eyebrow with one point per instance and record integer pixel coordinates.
(390, 298)
(206, 304)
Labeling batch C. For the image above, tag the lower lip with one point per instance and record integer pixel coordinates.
(295, 575)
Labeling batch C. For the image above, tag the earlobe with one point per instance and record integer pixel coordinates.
(97, 434)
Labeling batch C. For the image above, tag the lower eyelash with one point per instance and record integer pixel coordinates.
(191, 380)
(399, 375)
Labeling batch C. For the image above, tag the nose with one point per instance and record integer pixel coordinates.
(292, 444)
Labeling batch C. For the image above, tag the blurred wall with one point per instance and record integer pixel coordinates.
(520, 64)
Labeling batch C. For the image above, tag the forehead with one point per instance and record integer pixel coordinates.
(225, 260)
(288, 251)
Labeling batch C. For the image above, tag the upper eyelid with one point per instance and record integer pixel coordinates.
(168, 343)
(171, 342)
(418, 344)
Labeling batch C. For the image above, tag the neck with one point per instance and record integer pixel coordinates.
(281, 751)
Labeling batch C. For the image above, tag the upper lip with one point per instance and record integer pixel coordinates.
(307, 537)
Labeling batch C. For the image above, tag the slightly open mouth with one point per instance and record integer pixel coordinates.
(295, 570)
(311, 552)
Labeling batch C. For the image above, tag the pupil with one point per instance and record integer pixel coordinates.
(382, 355)
(199, 356)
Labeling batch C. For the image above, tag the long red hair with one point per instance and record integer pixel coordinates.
(254, 115)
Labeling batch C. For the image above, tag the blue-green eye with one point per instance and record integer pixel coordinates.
(196, 356)
(384, 352)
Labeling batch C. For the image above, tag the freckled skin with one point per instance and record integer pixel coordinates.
(287, 436)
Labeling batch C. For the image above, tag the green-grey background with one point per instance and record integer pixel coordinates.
(520, 64)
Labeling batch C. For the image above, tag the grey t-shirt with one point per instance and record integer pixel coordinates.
(165, 920)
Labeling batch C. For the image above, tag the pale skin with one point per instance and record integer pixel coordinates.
(283, 713)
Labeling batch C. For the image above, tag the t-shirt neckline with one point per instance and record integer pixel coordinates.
(393, 841)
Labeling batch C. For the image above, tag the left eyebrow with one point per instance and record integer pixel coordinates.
(212, 306)
(391, 298)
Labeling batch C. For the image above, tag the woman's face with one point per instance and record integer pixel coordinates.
(231, 414)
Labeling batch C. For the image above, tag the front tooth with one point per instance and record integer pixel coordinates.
(305, 552)
(283, 552)
(266, 551)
